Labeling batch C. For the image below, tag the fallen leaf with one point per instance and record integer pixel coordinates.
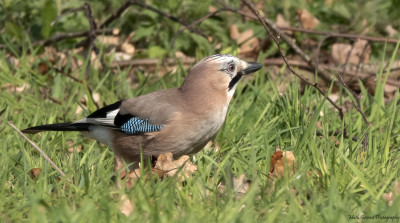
(241, 184)
(281, 22)
(115, 31)
(127, 47)
(182, 166)
(43, 67)
(34, 173)
(390, 30)
(122, 56)
(392, 195)
(307, 20)
(212, 9)
(282, 162)
(74, 148)
(211, 147)
(248, 43)
(340, 51)
(165, 166)
(109, 40)
(126, 206)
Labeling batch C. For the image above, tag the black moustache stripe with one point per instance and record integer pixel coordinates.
(234, 80)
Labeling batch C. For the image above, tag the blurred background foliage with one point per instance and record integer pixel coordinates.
(24, 22)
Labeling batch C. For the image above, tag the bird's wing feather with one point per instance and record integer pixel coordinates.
(147, 113)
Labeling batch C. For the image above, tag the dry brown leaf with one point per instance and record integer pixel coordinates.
(234, 32)
(246, 39)
(307, 21)
(241, 185)
(259, 5)
(121, 56)
(127, 47)
(212, 8)
(43, 67)
(391, 195)
(126, 206)
(211, 147)
(390, 30)
(282, 162)
(134, 175)
(74, 148)
(165, 166)
(13, 88)
(281, 22)
(34, 173)
(182, 166)
(115, 31)
(108, 40)
(340, 51)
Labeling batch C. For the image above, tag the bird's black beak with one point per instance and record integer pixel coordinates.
(251, 68)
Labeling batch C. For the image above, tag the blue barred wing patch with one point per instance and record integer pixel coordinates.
(138, 125)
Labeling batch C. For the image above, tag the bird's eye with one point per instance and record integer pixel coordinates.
(231, 67)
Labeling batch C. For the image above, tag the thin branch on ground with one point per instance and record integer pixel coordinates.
(282, 35)
(341, 35)
(194, 23)
(357, 105)
(63, 36)
(319, 49)
(304, 65)
(68, 75)
(45, 156)
(91, 38)
(361, 58)
(268, 62)
(82, 8)
(315, 85)
(320, 33)
(347, 59)
(337, 133)
(142, 4)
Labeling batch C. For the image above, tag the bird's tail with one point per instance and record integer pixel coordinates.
(68, 126)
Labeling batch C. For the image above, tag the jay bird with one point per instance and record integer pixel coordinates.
(177, 120)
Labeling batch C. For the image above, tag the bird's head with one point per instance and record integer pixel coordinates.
(218, 72)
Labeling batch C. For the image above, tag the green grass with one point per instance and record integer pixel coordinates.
(335, 177)
(351, 180)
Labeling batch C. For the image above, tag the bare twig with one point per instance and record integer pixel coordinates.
(268, 62)
(321, 33)
(149, 62)
(304, 65)
(316, 58)
(190, 26)
(361, 58)
(115, 15)
(63, 36)
(66, 13)
(254, 10)
(40, 151)
(336, 133)
(358, 107)
(92, 36)
(342, 35)
(282, 35)
(347, 59)
(68, 75)
(142, 4)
